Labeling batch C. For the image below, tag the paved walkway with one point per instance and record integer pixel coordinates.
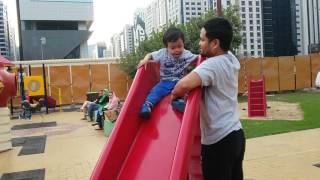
(72, 147)
(71, 150)
(289, 156)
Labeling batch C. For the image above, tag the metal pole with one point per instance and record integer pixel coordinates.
(30, 72)
(45, 88)
(219, 8)
(21, 83)
(41, 52)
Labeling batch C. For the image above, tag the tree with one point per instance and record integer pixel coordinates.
(191, 30)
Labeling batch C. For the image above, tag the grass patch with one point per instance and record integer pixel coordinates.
(310, 105)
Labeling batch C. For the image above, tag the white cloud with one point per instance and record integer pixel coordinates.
(112, 15)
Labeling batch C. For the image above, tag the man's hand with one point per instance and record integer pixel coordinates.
(186, 84)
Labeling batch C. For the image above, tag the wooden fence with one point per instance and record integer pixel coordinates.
(281, 73)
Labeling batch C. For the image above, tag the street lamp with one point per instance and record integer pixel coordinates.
(219, 8)
(43, 41)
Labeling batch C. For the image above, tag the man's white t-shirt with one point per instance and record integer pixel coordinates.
(219, 105)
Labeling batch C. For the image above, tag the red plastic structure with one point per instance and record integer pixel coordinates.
(257, 98)
(165, 147)
(7, 85)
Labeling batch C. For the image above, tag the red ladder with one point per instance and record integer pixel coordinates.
(257, 98)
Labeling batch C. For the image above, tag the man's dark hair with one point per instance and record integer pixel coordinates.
(219, 28)
(172, 35)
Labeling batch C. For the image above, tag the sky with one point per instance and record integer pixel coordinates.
(110, 17)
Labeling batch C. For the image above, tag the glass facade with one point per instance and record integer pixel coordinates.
(279, 30)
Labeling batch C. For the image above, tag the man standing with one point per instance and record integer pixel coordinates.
(222, 137)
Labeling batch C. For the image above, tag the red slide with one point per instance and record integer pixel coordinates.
(164, 147)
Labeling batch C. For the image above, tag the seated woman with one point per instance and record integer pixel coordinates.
(111, 106)
(88, 104)
(34, 105)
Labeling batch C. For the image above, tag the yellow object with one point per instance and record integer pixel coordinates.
(34, 85)
(57, 94)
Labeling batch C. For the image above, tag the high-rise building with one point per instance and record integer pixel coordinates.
(155, 16)
(4, 33)
(308, 25)
(128, 39)
(181, 11)
(251, 19)
(54, 29)
(116, 45)
(279, 27)
(139, 31)
(109, 52)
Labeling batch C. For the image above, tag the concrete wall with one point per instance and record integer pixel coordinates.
(67, 10)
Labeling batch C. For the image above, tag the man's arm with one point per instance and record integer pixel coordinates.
(186, 84)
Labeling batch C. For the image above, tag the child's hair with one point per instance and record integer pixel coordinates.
(172, 35)
(219, 28)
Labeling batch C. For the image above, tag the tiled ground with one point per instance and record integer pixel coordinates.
(72, 148)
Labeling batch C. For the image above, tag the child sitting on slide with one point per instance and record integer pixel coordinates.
(174, 60)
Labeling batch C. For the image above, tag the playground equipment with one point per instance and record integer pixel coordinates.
(7, 89)
(257, 105)
(166, 147)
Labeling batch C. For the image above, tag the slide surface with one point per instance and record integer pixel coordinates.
(162, 147)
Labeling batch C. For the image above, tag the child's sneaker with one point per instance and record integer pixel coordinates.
(178, 104)
(145, 111)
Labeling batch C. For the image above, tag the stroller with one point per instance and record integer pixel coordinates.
(26, 110)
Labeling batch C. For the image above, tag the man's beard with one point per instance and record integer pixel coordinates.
(205, 54)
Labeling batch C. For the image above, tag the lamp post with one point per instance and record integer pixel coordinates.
(43, 41)
(219, 8)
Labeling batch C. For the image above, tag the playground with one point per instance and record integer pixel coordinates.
(72, 149)
(59, 145)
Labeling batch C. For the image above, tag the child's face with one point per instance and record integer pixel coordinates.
(175, 48)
